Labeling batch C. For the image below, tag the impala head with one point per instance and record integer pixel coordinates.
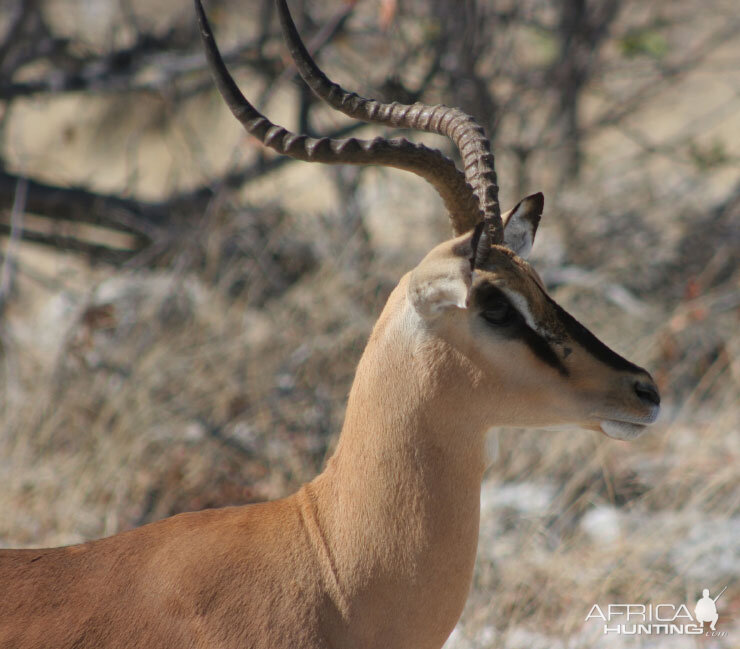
(542, 365)
(476, 291)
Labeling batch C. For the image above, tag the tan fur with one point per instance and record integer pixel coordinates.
(378, 550)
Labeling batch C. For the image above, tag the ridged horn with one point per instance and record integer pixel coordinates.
(428, 163)
(461, 128)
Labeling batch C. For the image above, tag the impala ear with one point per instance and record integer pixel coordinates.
(441, 281)
(520, 224)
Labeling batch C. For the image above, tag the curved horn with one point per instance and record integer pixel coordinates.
(428, 163)
(461, 128)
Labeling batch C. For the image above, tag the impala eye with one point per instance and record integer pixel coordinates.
(499, 313)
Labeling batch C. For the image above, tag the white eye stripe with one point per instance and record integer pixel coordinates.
(521, 305)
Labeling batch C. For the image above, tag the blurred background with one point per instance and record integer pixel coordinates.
(181, 311)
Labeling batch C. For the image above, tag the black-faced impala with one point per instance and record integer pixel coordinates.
(378, 550)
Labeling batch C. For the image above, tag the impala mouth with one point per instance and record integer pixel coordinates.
(627, 428)
(623, 430)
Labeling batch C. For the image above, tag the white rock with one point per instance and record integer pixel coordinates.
(603, 524)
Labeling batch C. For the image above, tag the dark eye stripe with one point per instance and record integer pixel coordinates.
(591, 343)
(541, 348)
(489, 295)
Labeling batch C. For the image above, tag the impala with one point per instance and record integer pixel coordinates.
(378, 550)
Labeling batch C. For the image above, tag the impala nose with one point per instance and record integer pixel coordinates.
(647, 393)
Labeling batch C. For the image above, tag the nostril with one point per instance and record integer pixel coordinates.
(647, 392)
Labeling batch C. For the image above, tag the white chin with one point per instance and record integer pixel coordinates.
(621, 429)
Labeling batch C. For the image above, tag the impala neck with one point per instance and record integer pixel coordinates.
(397, 507)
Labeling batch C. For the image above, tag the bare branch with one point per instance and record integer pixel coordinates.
(16, 228)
